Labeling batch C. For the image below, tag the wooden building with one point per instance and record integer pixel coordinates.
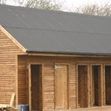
(55, 61)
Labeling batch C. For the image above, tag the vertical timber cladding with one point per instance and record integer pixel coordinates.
(61, 86)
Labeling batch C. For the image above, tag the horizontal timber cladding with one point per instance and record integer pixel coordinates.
(48, 77)
(22, 80)
(48, 86)
(8, 55)
(48, 80)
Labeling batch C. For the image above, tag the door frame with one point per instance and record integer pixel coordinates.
(30, 85)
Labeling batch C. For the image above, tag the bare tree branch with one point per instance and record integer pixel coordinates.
(20, 2)
(3, 1)
(103, 10)
(43, 4)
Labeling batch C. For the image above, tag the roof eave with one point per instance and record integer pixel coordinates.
(72, 54)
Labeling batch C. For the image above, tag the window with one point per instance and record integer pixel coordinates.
(89, 86)
(94, 85)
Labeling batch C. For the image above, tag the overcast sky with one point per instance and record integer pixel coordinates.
(70, 4)
(79, 3)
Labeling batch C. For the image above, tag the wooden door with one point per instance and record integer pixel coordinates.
(35, 88)
(61, 72)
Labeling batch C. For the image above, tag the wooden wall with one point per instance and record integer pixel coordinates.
(48, 80)
(8, 52)
(10, 81)
(48, 77)
(22, 80)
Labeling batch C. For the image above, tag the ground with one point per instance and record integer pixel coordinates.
(104, 108)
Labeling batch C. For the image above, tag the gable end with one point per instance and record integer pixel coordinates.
(12, 39)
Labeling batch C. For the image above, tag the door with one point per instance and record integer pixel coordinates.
(35, 87)
(61, 72)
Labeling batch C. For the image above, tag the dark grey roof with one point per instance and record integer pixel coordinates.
(52, 31)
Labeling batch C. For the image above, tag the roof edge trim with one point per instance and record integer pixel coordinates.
(13, 39)
(38, 53)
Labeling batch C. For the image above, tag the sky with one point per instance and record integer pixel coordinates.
(68, 5)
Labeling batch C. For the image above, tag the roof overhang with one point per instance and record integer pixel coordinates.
(67, 54)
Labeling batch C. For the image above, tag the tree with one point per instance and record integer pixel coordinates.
(43, 4)
(103, 10)
(3, 1)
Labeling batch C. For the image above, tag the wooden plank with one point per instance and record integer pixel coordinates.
(61, 100)
(48, 97)
(48, 76)
(89, 85)
(30, 98)
(23, 80)
(46, 54)
(8, 67)
(72, 86)
(91, 88)
(102, 85)
(16, 80)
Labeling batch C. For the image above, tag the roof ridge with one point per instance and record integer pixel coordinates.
(56, 11)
